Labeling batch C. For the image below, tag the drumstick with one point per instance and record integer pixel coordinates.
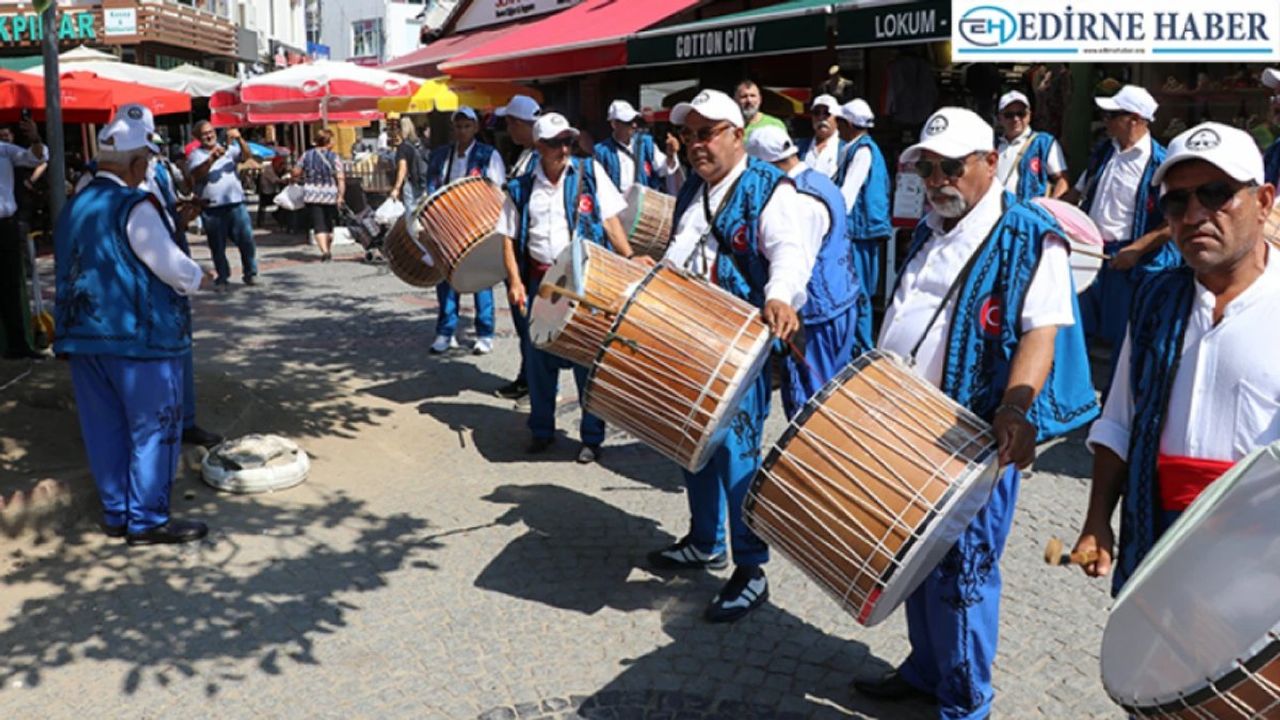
(545, 291)
(1090, 253)
(1053, 555)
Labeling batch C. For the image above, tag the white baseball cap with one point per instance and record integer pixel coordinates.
(466, 112)
(129, 130)
(552, 125)
(1010, 98)
(1229, 149)
(771, 144)
(952, 132)
(1271, 78)
(858, 113)
(1133, 99)
(830, 103)
(622, 111)
(520, 107)
(712, 105)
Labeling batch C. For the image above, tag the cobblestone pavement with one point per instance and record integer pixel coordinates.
(430, 569)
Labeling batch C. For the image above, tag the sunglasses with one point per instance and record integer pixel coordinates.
(563, 141)
(1113, 114)
(703, 135)
(1212, 197)
(1013, 114)
(952, 168)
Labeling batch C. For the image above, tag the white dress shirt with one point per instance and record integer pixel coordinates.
(859, 168)
(825, 160)
(1225, 399)
(1117, 187)
(549, 231)
(1011, 150)
(11, 155)
(627, 164)
(927, 278)
(152, 241)
(815, 216)
(782, 235)
(456, 165)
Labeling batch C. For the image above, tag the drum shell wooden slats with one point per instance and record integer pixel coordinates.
(677, 352)
(404, 258)
(1253, 692)
(457, 221)
(648, 220)
(608, 280)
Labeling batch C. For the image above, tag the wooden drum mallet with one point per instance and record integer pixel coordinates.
(1054, 555)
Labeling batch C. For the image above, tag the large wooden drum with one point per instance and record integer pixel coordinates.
(648, 220)
(409, 259)
(676, 364)
(1195, 633)
(872, 484)
(458, 222)
(574, 330)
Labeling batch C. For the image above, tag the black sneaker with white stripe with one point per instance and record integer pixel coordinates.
(746, 590)
(684, 556)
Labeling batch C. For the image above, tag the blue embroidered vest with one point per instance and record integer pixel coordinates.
(606, 153)
(108, 301)
(869, 218)
(581, 207)
(833, 287)
(1157, 326)
(438, 164)
(530, 166)
(1033, 167)
(1271, 163)
(743, 271)
(987, 326)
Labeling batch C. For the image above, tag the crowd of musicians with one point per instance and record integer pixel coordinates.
(984, 308)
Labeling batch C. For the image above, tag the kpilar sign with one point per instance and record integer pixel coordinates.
(29, 27)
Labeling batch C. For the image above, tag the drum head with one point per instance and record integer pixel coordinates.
(551, 313)
(1205, 597)
(1084, 268)
(481, 268)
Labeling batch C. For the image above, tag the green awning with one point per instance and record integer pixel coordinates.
(20, 63)
(863, 24)
(787, 27)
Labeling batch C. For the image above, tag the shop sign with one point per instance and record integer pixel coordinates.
(317, 51)
(1117, 31)
(482, 13)
(120, 21)
(705, 41)
(896, 24)
(29, 27)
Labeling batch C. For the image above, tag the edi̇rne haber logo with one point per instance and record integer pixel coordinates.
(1116, 30)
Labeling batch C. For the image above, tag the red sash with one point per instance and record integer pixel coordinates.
(1182, 479)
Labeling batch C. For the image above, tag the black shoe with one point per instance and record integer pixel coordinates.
(24, 354)
(539, 445)
(250, 279)
(589, 454)
(172, 532)
(684, 556)
(113, 531)
(746, 590)
(892, 687)
(513, 390)
(196, 435)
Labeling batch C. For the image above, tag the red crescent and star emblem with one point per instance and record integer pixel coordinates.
(740, 240)
(1035, 165)
(648, 168)
(475, 173)
(990, 316)
(585, 205)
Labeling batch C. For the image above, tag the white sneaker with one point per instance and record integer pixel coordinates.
(483, 346)
(443, 343)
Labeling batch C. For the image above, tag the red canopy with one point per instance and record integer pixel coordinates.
(424, 61)
(86, 98)
(159, 100)
(588, 37)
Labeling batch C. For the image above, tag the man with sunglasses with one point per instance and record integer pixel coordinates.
(1118, 194)
(984, 310)
(1196, 388)
(822, 152)
(563, 201)
(1031, 162)
(863, 179)
(630, 156)
(738, 225)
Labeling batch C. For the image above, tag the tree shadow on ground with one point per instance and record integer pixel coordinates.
(206, 609)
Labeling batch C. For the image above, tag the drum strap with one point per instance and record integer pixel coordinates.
(724, 247)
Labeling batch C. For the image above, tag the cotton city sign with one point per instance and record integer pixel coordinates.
(713, 43)
(1117, 30)
(29, 28)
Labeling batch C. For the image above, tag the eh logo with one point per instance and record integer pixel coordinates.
(988, 26)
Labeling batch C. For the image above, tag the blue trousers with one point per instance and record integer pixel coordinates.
(953, 618)
(1104, 305)
(543, 375)
(521, 321)
(866, 265)
(829, 346)
(188, 391)
(722, 485)
(131, 419)
(447, 325)
(230, 222)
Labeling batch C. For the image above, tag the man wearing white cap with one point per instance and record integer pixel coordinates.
(630, 156)
(1031, 162)
(565, 200)
(863, 178)
(1271, 159)
(1118, 194)
(464, 157)
(735, 225)
(1195, 389)
(822, 151)
(124, 320)
(984, 310)
(521, 112)
(834, 299)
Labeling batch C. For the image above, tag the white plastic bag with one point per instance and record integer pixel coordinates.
(290, 198)
(390, 211)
